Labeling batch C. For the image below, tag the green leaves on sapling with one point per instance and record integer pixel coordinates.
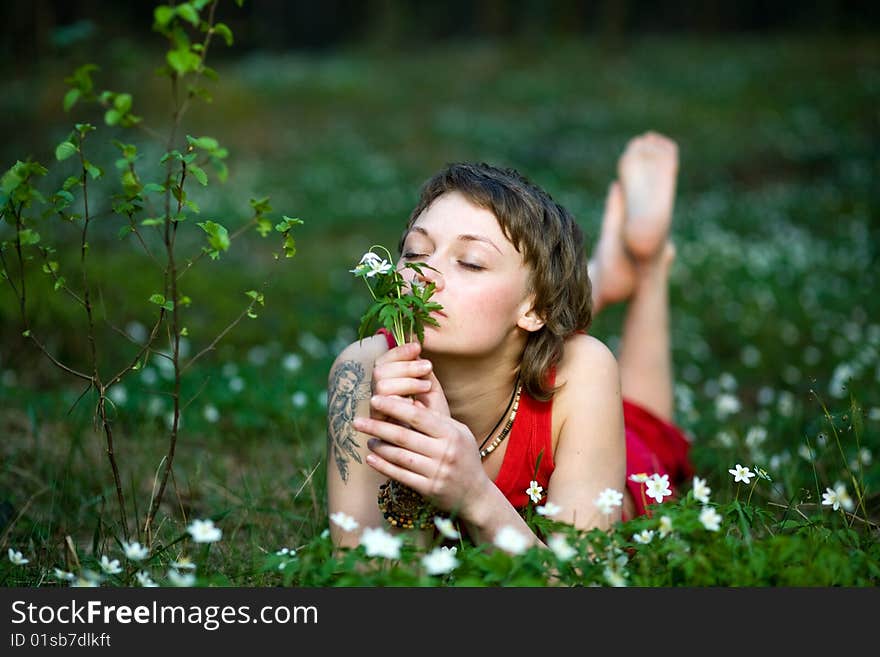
(218, 238)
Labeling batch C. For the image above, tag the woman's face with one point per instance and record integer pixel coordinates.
(481, 282)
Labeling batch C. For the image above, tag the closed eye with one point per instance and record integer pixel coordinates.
(409, 255)
(471, 266)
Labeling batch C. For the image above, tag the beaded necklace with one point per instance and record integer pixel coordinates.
(512, 407)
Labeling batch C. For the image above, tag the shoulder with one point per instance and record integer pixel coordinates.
(363, 351)
(360, 355)
(586, 359)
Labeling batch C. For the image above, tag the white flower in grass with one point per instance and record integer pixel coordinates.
(548, 510)
(289, 552)
(83, 582)
(446, 527)
(710, 518)
(344, 521)
(111, 567)
(535, 491)
(511, 540)
(726, 405)
(63, 575)
(560, 547)
(210, 413)
(608, 499)
(17, 558)
(762, 473)
(439, 561)
(145, 580)
(292, 362)
(236, 384)
(178, 578)
(183, 563)
(644, 537)
(379, 543)
(371, 265)
(741, 473)
(658, 487)
(806, 452)
(616, 578)
(701, 490)
(204, 531)
(299, 399)
(665, 527)
(837, 497)
(135, 551)
(639, 477)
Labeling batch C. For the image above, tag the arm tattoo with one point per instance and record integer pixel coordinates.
(347, 388)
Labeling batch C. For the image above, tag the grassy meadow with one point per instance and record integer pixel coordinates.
(776, 312)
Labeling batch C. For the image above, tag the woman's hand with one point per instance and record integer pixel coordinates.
(402, 373)
(427, 450)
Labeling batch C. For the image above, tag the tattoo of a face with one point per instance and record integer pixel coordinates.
(347, 388)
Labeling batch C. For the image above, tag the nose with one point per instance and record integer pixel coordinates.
(430, 275)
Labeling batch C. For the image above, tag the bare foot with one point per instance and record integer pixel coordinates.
(612, 273)
(647, 170)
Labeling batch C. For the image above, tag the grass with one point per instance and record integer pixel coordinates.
(773, 294)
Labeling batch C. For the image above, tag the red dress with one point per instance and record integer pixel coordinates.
(652, 446)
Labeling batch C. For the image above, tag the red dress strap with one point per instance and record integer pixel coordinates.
(529, 454)
(389, 338)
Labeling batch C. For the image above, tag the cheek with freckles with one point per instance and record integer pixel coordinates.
(479, 317)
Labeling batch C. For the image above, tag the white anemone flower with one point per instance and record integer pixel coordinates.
(344, 521)
(204, 531)
(511, 540)
(439, 561)
(741, 473)
(135, 551)
(710, 518)
(379, 543)
(701, 490)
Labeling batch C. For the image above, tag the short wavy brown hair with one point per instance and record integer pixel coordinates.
(552, 245)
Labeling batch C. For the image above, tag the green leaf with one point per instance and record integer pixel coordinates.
(221, 29)
(183, 60)
(70, 98)
(122, 102)
(65, 150)
(70, 182)
(28, 237)
(199, 174)
(264, 226)
(153, 221)
(188, 13)
(154, 187)
(218, 237)
(94, 172)
(205, 143)
(112, 116)
(163, 15)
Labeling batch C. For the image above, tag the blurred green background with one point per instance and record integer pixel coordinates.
(338, 114)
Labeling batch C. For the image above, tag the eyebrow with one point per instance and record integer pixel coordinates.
(467, 237)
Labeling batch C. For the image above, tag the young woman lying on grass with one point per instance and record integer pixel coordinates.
(509, 389)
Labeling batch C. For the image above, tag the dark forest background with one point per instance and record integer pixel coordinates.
(35, 29)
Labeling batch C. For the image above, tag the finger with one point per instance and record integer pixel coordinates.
(413, 368)
(407, 351)
(423, 420)
(415, 481)
(403, 458)
(395, 434)
(401, 386)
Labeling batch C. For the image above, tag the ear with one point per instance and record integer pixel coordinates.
(529, 320)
